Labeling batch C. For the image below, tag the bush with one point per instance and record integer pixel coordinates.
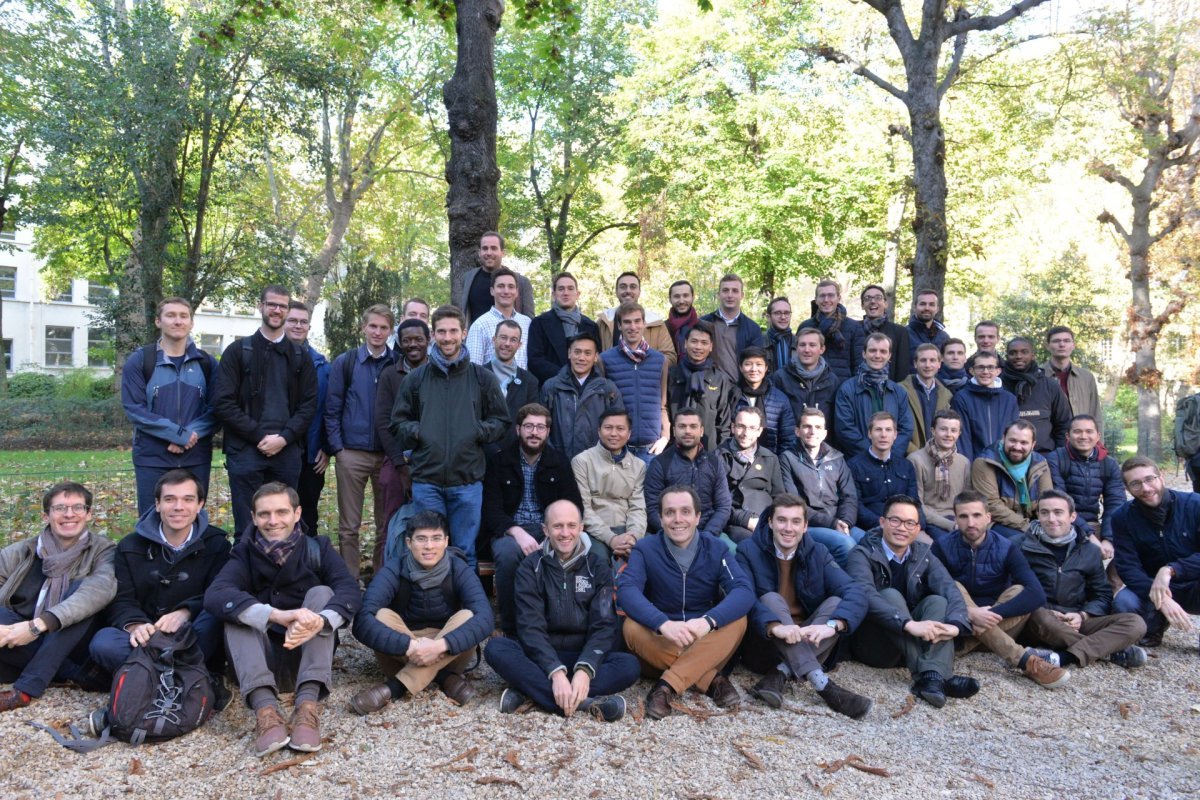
(32, 386)
(104, 388)
(76, 384)
(57, 424)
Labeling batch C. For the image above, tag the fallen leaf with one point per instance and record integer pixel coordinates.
(974, 776)
(861, 767)
(856, 762)
(135, 766)
(697, 713)
(461, 768)
(755, 761)
(910, 703)
(486, 779)
(291, 762)
(639, 711)
(465, 754)
(514, 760)
(1128, 709)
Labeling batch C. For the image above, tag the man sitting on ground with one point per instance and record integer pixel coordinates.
(1012, 477)
(562, 657)
(942, 473)
(611, 483)
(423, 615)
(685, 598)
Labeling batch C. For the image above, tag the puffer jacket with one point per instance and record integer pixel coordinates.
(826, 485)
(1080, 584)
(779, 433)
(575, 410)
(988, 570)
(1092, 482)
(986, 412)
(641, 388)
(705, 473)
(867, 564)
(1143, 548)
(991, 479)
(803, 393)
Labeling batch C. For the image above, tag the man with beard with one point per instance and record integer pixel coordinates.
(923, 326)
(843, 336)
(953, 372)
(779, 332)
(752, 471)
(697, 383)
(654, 327)
(517, 384)
(521, 480)
(1085, 470)
(875, 306)
(1040, 401)
(474, 299)
(807, 380)
(942, 473)
(733, 331)
(550, 332)
(986, 408)
(315, 463)
(755, 391)
(266, 398)
(926, 395)
(612, 483)
(682, 315)
(577, 397)
(870, 392)
(1013, 477)
(687, 462)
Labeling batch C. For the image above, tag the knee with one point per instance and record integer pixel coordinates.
(775, 603)
(317, 597)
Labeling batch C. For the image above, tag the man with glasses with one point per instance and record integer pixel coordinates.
(985, 407)
(316, 450)
(1157, 540)
(915, 609)
(875, 320)
(521, 481)
(266, 398)
(53, 588)
(752, 471)
(779, 332)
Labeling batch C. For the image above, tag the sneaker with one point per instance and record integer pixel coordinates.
(931, 688)
(770, 689)
(1129, 658)
(458, 690)
(511, 700)
(608, 709)
(11, 699)
(221, 694)
(658, 702)
(371, 699)
(270, 731)
(1044, 673)
(1045, 654)
(97, 721)
(306, 727)
(844, 701)
(961, 687)
(723, 692)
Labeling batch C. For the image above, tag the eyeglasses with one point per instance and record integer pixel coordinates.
(533, 427)
(422, 541)
(77, 508)
(873, 298)
(907, 524)
(781, 312)
(980, 368)
(275, 306)
(1136, 486)
(301, 322)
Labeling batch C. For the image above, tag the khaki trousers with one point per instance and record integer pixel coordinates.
(695, 665)
(353, 469)
(415, 678)
(1000, 639)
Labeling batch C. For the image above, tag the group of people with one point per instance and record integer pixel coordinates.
(661, 496)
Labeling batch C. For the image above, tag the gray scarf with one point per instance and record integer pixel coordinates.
(684, 556)
(576, 559)
(57, 565)
(505, 373)
(809, 374)
(570, 319)
(1036, 529)
(427, 578)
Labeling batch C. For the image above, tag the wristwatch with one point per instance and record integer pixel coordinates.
(833, 623)
(712, 623)
(34, 629)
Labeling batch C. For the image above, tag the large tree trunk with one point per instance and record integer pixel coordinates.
(1143, 333)
(929, 178)
(472, 204)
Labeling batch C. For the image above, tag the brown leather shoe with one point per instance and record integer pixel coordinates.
(458, 690)
(1045, 674)
(368, 701)
(270, 731)
(11, 699)
(723, 692)
(306, 727)
(658, 702)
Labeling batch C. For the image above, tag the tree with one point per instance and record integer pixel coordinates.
(1150, 67)
(363, 284)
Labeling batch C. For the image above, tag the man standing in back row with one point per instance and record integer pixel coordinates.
(475, 298)
(733, 330)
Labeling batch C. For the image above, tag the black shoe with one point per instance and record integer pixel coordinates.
(608, 709)
(222, 695)
(1129, 658)
(511, 700)
(931, 688)
(723, 692)
(770, 689)
(844, 701)
(962, 687)
(1153, 638)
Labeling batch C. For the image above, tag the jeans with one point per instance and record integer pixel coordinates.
(461, 505)
(837, 543)
(110, 647)
(147, 477)
(61, 655)
(616, 672)
(642, 451)
(508, 556)
(1127, 602)
(249, 470)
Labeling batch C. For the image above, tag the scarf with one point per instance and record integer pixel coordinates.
(505, 373)
(576, 559)
(1019, 473)
(808, 375)
(781, 342)
(942, 461)
(430, 578)
(927, 333)
(57, 565)
(439, 360)
(875, 380)
(570, 319)
(1035, 529)
(694, 375)
(1158, 514)
(746, 391)
(277, 552)
(636, 354)
(874, 325)
(684, 556)
(677, 323)
(1022, 381)
(953, 379)
(831, 325)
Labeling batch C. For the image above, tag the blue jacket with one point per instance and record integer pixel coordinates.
(855, 403)
(705, 474)
(1089, 481)
(424, 608)
(815, 576)
(350, 410)
(780, 432)
(641, 388)
(315, 440)
(877, 480)
(843, 350)
(1142, 549)
(986, 412)
(575, 410)
(651, 589)
(985, 572)
(918, 334)
(175, 404)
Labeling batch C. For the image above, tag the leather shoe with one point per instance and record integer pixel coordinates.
(11, 699)
(306, 727)
(930, 687)
(370, 700)
(770, 689)
(658, 702)
(844, 701)
(270, 731)
(962, 687)
(724, 693)
(458, 690)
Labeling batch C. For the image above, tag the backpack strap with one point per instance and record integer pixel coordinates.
(77, 742)
(347, 368)
(149, 361)
(312, 553)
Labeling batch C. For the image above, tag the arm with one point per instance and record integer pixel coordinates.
(477, 341)
(137, 405)
(405, 415)
(603, 627)
(940, 582)
(125, 609)
(532, 628)
(905, 424)
(739, 592)
(335, 397)
(636, 522)
(472, 597)
(495, 521)
(880, 611)
(346, 598)
(655, 483)
(494, 419)
(218, 555)
(786, 435)
(983, 479)
(853, 608)
(848, 433)
(94, 592)
(385, 399)
(847, 509)
(1126, 556)
(1113, 496)
(369, 630)
(525, 305)
(722, 500)
(538, 352)
(1099, 590)
(1056, 471)
(204, 424)
(1060, 416)
(1032, 596)
(631, 586)
(592, 523)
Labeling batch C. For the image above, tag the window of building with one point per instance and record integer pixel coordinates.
(8, 357)
(8, 282)
(210, 343)
(59, 346)
(98, 293)
(101, 347)
(66, 296)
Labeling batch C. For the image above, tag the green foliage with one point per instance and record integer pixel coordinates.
(32, 385)
(77, 384)
(363, 284)
(63, 423)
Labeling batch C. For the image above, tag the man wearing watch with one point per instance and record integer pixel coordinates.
(805, 601)
(686, 599)
(53, 587)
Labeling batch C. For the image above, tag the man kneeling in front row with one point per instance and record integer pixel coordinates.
(281, 599)
(805, 601)
(423, 615)
(562, 657)
(686, 599)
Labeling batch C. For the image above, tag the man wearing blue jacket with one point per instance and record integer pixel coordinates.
(805, 602)
(881, 472)
(688, 462)
(315, 458)
(985, 407)
(868, 392)
(1085, 470)
(685, 598)
(171, 409)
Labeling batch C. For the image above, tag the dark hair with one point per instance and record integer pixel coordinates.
(585, 336)
(174, 477)
(922, 292)
(946, 413)
(486, 234)
(927, 346)
(787, 500)
(868, 288)
(299, 305)
(687, 411)
(731, 277)
(615, 412)
(987, 323)
(171, 301)
(754, 352)
(982, 354)
(274, 288)
(949, 342)
(968, 496)
(1021, 425)
(681, 283)
(559, 277)
(448, 312)
(879, 416)
(419, 300)
(1133, 462)
(627, 274)
(703, 326)
(533, 410)
(66, 487)
(502, 272)
(878, 337)
(413, 322)
(755, 410)
(426, 520)
(680, 488)
(900, 500)
(780, 299)
(1083, 418)
(1008, 345)
(809, 411)
(625, 309)
(1055, 494)
(275, 487)
(1057, 329)
(508, 323)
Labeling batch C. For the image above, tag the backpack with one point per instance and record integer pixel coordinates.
(150, 361)
(1187, 426)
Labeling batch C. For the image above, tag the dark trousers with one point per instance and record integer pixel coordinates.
(1186, 594)
(309, 487)
(147, 477)
(763, 655)
(61, 655)
(617, 672)
(248, 470)
(877, 646)
(507, 556)
(110, 647)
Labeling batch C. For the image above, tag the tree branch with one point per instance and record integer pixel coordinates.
(1109, 173)
(1106, 217)
(593, 235)
(1173, 223)
(837, 57)
(960, 47)
(990, 22)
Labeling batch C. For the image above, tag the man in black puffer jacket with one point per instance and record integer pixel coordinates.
(1040, 400)
(423, 617)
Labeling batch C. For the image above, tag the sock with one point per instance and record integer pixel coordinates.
(1024, 659)
(785, 669)
(818, 679)
(262, 697)
(664, 684)
(397, 688)
(1067, 659)
(309, 691)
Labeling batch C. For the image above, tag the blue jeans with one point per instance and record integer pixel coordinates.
(1126, 601)
(147, 477)
(461, 505)
(249, 470)
(508, 556)
(642, 451)
(837, 543)
(617, 672)
(110, 647)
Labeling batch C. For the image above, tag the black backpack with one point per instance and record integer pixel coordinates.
(1187, 426)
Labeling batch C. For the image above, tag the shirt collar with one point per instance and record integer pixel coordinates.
(891, 555)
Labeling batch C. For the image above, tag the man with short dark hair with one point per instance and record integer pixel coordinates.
(474, 298)
(688, 462)
(953, 372)
(942, 473)
(563, 655)
(805, 602)
(752, 472)
(1039, 399)
(807, 380)
(986, 407)
(479, 343)
(611, 483)
(550, 332)
(697, 383)
(315, 461)
(870, 391)
(53, 588)
(577, 396)
(682, 315)
(987, 336)
(654, 328)
(1077, 383)
(282, 598)
(754, 390)
(640, 372)
(923, 325)
(1085, 470)
(915, 610)
(414, 308)
(685, 598)
(733, 331)
(266, 398)
(881, 472)
(1013, 477)
(517, 384)
(779, 332)
(926, 394)
(521, 480)
(423, 615)
(843, 337)
(875, 320)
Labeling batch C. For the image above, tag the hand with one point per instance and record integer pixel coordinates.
(925, 629)
(15, 635)
(752, 523)
(815, 634)
(660, 445)
(622, 544)
(320, 462)
(1160, 590)
(1176, 615)
(169, 623)
(699, 627)
(677, 633)
(564, 692)
(581, 686)
(842, 527)
(428, 651)
(983, 618)
(271, 444)
(946, 631)
(1106, 549)
(140, 634)
(527, 543)
(301, 625)
(1073, 619)
(191, 441)
(174, 448)
(788, 633)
